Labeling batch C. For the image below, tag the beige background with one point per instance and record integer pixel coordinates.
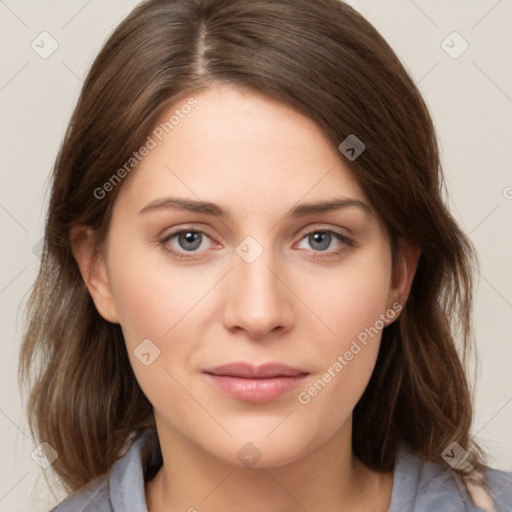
(471, 101)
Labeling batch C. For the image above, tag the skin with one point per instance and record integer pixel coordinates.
(257, 158)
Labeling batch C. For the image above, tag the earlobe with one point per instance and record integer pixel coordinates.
(92, 265)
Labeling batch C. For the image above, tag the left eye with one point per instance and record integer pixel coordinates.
(320, 240)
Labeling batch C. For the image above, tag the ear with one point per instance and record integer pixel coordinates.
(92, 264)
(404, 269)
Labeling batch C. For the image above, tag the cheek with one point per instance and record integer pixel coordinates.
(152, 304)
(152, 296)
(163, 303)
(353, 298)
(353, 305)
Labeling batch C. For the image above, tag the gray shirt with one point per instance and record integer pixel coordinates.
(417, 487)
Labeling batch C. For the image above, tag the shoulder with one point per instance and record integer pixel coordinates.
(421, 486)
(499, 488)
(119, 490)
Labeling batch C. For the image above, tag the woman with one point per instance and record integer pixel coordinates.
(251, 285)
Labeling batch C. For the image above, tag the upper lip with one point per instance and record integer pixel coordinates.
(248, 371)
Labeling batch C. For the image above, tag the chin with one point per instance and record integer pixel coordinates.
(260, 451)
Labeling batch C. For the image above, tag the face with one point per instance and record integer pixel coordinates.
(258, 276)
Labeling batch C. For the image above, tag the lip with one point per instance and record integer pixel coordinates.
(248, 371)
(255, 383)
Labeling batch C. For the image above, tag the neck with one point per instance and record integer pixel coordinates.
(327, 478)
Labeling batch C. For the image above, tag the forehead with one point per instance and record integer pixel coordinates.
(235, 146)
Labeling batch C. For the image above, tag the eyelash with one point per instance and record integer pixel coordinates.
(347, 243)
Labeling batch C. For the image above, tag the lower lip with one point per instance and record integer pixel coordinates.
(255, 390)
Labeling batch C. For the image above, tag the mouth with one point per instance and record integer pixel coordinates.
(255, 383)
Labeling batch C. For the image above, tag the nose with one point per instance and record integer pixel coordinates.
(258, 300)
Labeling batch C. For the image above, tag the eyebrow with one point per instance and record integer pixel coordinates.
(300, 210)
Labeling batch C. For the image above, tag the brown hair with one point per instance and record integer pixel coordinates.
(324, 60)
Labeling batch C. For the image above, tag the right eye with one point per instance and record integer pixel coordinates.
(184, 241)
